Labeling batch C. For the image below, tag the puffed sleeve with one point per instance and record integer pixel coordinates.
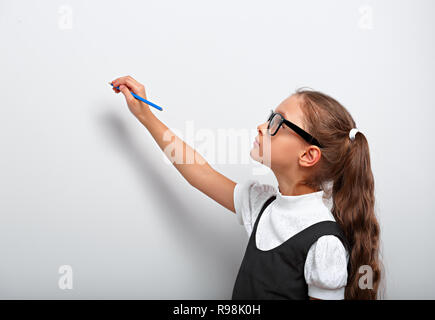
(326, 268)
(249, 197)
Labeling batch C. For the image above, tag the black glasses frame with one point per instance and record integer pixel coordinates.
(301, 132)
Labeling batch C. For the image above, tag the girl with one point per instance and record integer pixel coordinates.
(312, 235)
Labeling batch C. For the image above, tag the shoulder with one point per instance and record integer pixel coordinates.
(326, 268)
(249, 197)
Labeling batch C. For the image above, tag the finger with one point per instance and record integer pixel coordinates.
(126, 92)
(114, 86)
(139, 85)
(116, 90)
(126, 82)
(133, 85)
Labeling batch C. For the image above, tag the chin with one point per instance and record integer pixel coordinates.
(255, 156)
(260, 159)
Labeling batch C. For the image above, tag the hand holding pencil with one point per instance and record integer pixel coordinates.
(134, 93)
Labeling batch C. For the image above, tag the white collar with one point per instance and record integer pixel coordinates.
(311, 197)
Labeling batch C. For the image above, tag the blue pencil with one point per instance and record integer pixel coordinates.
(142, 99)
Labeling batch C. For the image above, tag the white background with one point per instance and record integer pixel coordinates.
(82, 183)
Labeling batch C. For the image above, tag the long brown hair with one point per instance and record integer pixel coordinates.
(345, 164)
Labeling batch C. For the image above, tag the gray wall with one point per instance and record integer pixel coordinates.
(84, 184)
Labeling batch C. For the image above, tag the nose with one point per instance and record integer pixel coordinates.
(261, 128)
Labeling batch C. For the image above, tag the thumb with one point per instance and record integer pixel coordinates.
(126, 92)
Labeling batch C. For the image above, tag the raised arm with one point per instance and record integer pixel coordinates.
(192, 166)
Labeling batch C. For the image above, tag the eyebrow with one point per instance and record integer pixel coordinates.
(280, 113)
(287, 120)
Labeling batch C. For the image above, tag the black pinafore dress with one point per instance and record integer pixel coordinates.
(279, 273)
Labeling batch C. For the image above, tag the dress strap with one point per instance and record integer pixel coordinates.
(268, 201)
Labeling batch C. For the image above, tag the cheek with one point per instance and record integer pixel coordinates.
(283, 152)
(279, 152)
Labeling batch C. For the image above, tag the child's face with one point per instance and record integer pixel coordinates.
(283, 150)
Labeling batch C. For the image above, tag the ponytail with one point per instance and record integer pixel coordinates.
(346, 163)
(353, 208)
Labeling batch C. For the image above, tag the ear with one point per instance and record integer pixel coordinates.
(310, 156)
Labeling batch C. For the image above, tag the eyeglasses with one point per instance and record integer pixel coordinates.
(275, 122)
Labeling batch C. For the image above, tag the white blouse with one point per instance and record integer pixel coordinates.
(325, 267)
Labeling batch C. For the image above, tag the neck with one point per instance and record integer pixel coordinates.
(289, 186)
